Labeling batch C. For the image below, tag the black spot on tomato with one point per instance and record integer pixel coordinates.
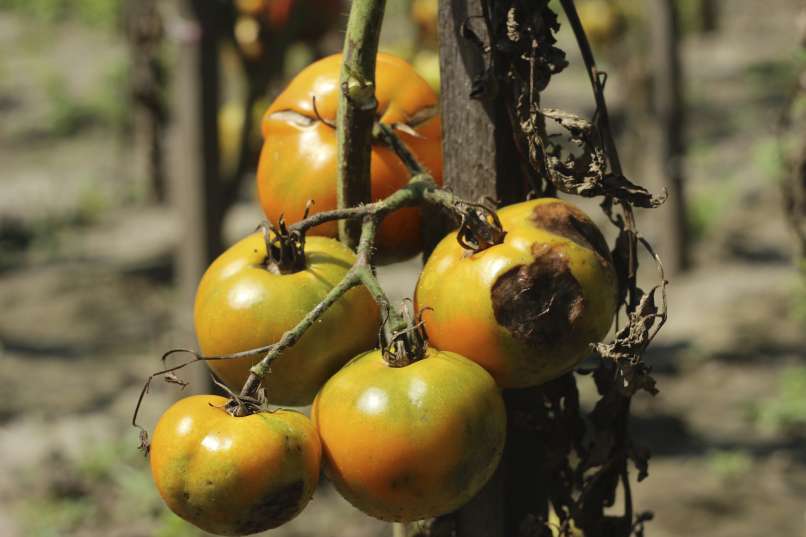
(568, 221)
(539, 302)
(275, 508)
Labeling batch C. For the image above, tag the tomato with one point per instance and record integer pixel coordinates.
(300, 19)
(526, 309)
(412, 442)
(298, 159)
(242, 304)
(234, 475)
(425, 14)
(601, 20)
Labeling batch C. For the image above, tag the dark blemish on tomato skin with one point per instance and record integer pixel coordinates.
(274, 509)
(569, 222)
(540, 302)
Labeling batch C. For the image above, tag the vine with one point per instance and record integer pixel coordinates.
(521, 59)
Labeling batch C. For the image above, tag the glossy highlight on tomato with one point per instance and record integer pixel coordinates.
(526, 309)
(234, 475)
(298, 161)
(412, 442)
(242, 304)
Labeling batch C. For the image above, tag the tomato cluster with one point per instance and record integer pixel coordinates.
(402, 440)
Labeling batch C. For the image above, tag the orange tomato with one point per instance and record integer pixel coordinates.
(242, 304)
(300, 19)
(234, 475)
(411, 442)
(298, 159)
(526, 309)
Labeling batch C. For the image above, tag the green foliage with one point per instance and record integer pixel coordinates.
(729, 464)
(785, 411)
(97, 13)
(705, 210)
(690, 15)
(110, 102)
(768, 159)
(57, 517)
(772, 77)
(171, 525)
(109, 484)
(92, 204)
(102, 463)
(69, 113)
(121, 465)
(798, 297)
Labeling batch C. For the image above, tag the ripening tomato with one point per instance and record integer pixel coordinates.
(526, 309)
(298, 159)
(412, 442)
(242, 303)
(301, 19)
(234, 475)
(602, 21)
(425, 14)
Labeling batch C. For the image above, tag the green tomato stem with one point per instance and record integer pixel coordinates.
(356, 111)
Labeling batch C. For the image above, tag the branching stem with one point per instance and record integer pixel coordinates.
(420, 189)
(356, 112)
(259, 370)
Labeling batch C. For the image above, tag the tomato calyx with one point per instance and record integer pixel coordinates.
(285, 249)
(239, 406)
(406, 342)
(479, 228)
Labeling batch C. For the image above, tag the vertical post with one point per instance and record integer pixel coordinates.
(480, 160)
(669, 112)
(356, 112)
(194, 154)
(478, 145)
(145, 32)
(709, 16)
(478, 153)
(794, 185)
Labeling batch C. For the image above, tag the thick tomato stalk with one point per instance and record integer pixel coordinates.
(298, 161)
(244, 302)
(413, 442)
(234, 475)
(526, 309)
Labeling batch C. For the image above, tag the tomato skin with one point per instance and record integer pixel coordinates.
(241, 305)
(459, 288)
(234, 476)
(299, 162)
(412, 442)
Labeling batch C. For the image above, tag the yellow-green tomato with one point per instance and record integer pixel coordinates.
(242, 304)
(412, 442)
(234, 475)
(527, 309)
